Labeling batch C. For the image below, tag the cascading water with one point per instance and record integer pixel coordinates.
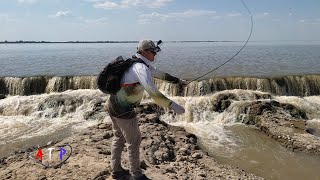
(307, 85)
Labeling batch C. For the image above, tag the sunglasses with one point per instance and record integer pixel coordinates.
(153, 52)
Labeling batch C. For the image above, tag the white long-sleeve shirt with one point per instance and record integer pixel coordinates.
(131, 95)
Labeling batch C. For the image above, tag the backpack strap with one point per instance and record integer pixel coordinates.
(136, 59)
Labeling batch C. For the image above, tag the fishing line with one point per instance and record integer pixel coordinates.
(236, 52)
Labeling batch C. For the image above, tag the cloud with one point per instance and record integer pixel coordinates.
(192, 13)
(153, 17)
(4, 17)
(27, 1)
(60, 14)
(7, 18)
(262, 15)
(157, 17)
(97, 21)
(78, 19)
(310, 21)
(234, 14)
(94, 1)
(107, 5)
(129, 3)
(216, 17)
(290, 14)
(154, 3)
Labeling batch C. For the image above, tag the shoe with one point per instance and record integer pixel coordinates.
(121, 175)
(143, 177)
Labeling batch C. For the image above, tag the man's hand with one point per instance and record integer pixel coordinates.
(182, 82)
(177, 108)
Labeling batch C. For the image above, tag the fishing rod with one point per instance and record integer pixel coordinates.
(235, 53)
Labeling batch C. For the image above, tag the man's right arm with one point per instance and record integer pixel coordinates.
(163, 75)
(144, 77)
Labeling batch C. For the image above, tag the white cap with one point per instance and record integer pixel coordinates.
(147, 45)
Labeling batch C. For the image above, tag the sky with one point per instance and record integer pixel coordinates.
(170, 20)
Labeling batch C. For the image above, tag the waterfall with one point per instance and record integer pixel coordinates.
(43, 84)
(307, 85)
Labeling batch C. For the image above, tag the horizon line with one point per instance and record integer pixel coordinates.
(129, 41)
(126, 41)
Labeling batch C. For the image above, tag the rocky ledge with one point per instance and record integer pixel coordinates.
(167, 152)
(281, 121)
(284, 123)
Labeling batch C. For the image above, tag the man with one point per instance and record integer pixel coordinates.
(121, 108)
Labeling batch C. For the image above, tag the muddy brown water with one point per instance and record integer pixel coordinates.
(259, 154)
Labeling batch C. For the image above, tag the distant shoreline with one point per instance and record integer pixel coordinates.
(105, 42)
(77, 42)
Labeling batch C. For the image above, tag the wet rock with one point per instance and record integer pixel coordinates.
(192, 139)
(202, 174)
(88, 114)
(180, 158)
(259, 107)
(263, 96)
(2, 96)
(51, 102)
(2, 160)
(294, 111)
(170, 169)
(152, 118)
(197, 155)
(97, 106)
(105, 126)
(311, 131)
(143, 165)
(143, 120)
(223, 101)
(96, 138)
(42, 178)
(105, 152)
(101, 146)
(184, 151)
(94, 115)
(108, 135)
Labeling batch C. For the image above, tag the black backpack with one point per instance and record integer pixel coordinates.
(108, 81)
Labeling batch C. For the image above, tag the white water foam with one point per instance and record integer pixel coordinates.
(201, 120)
(26, 117)
(310, 104)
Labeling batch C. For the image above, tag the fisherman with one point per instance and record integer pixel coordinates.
(121, 108)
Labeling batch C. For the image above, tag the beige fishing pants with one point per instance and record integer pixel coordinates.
(126, 131)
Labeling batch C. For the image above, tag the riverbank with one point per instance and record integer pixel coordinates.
(167, 152)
